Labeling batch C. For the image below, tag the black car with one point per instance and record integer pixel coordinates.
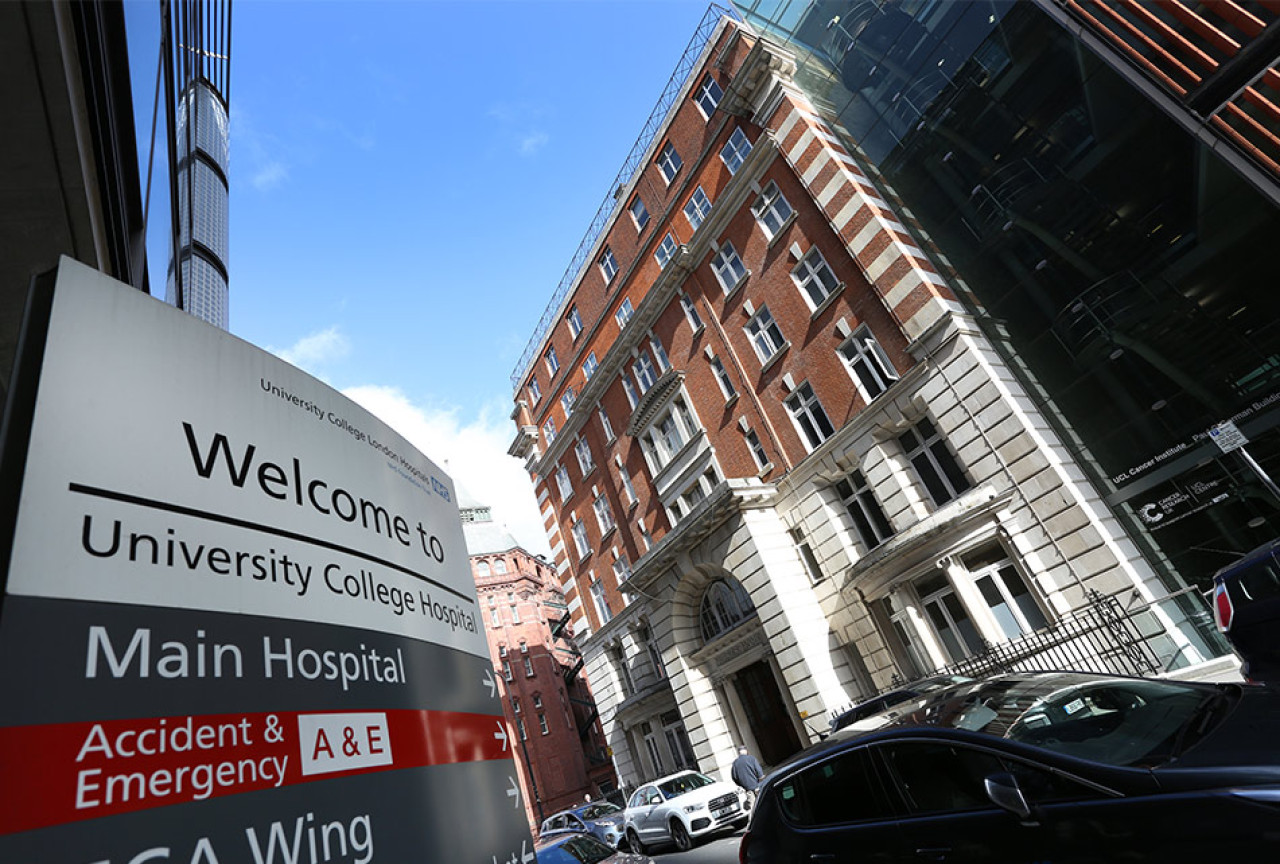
(1246, 602)
(1061, 767)
(885, 701)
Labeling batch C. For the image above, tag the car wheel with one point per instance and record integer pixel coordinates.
(633, 842)
(680, 836)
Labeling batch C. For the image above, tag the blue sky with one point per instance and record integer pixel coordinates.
(409, 181)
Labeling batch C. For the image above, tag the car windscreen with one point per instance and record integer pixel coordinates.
(581, 849)
(1110, 720)
(596, 811)
(683, 783)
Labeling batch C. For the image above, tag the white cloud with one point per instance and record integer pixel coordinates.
(269, 176)
(533, 142)
(472, 452)
(315, 350)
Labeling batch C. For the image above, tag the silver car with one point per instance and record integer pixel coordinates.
(601, 819)
(680, 808)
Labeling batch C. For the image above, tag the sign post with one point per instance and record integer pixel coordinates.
(238, 620)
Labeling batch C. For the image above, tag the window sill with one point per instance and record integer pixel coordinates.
(605, 536)
(734, 289)
(768, 466)
(729, 402)
(777, 355)
(696, 330)
(633, 505)
(830, 298)
(782, 229)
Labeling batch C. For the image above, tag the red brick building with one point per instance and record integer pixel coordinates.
(780, 465)
(552, 721)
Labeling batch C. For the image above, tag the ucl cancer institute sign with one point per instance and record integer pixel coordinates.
(238, 620)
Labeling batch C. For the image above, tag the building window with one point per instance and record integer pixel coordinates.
(659, 354)
(515, 609)
(807, 558)
(949, 617)
(669, 162)
(722, 378)
(867, 363)
(724, 605)
(624, 313)
(604, 515)
(645, 374)
(515, 705)
(815, 278)
(603, 612)
(524, 736)
(937, 469)
(639, 213)
(605, 425)
(627, 488)
(728, 267)
(553, 365)
(860, 503)
(666, 249)
(575, 322)
(646, 538)
(482, 569)
(645, 636)
(537, 701)
(500, 567)
(621, 569)
(494, 619)
(549, 430)
(528, 667)
(579, 532)
(589, 366)
(583, 451)
(708, 96)
(735, 150)
(810, 419)
(756, 448)
(608, 265)
(562, 483)
(691, 312)
(542, 723)
(667, 435)
(535, 392)
(764, 334)
(506, 670)
(632, 396)
(1005, 592)
(697, 208)
(772, 210)
(566, 401)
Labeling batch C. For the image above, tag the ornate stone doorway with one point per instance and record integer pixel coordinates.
(766, 712)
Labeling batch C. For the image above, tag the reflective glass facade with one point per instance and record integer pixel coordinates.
(1125, 269)
(202, 179)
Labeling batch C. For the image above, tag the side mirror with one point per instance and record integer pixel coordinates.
(655, 799)
(1003, 790)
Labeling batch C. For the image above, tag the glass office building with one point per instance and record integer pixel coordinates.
(1114, 243)
(203, 144)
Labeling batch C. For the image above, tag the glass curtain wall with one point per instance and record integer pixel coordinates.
(1124, 269)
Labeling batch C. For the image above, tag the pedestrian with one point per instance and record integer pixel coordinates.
(747, 773)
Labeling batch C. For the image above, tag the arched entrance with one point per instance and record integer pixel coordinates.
(734, 645)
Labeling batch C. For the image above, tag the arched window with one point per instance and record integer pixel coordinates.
(724, 605)
(500, 566)
(482, 569)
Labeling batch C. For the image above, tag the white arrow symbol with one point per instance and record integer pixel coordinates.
(513, 859)
(514, 791)
(488, 682)
(501, 735)
(526, 857)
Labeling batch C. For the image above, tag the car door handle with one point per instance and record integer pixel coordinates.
(934, 853)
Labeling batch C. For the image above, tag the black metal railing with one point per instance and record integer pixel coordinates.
(1099, 637)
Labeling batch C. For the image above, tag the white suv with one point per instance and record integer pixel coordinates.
(682, 807)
